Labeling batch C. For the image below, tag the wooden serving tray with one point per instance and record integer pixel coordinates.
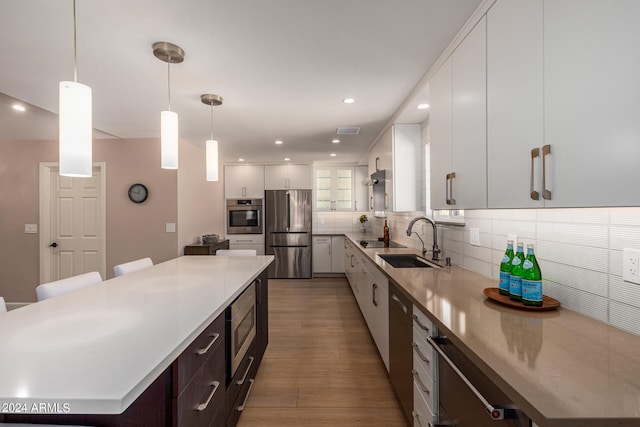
(548, 303)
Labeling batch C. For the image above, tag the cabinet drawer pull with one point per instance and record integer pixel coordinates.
(402, 306)
(417, 320)
(546, 194)
(244, 402)
(449, 188)
(420, 383)
(244, 377)
(201, 407)
(420, 354)
(532, 192)
(205, 349)
(374, 287)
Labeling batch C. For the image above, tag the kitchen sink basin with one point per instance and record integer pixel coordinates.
(407, 261)
(378, 244)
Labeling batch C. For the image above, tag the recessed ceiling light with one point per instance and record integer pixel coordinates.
(333, 154)
(19, 107)
(241, 159)
(278, 142)
(286, 159)
(423, 106)
(335, 141)
(348, 100)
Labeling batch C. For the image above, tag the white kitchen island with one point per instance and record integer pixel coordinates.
(96, 350)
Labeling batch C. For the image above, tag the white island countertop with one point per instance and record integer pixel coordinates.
(95, 350)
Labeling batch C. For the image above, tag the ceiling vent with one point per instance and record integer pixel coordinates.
(348, 131)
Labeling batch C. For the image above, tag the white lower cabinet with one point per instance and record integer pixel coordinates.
(247, 241)
(328, 254)
(371, 290)
(425, 372)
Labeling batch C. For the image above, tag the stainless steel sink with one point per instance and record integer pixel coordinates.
(407, 261)
(378, 244)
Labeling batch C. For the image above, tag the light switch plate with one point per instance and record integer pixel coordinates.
(170, 227)
(630, 267)
(31, 228)
(474, 236)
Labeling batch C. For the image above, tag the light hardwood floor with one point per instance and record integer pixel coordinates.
(321, 367)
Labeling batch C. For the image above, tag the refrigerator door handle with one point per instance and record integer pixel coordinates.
(288, 211)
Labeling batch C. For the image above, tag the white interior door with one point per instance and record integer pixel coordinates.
(72, 220)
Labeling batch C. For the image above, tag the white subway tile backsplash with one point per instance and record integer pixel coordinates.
(478, 252)
(615, 263)
(524, 229)
(579, 216)
(626, 292)
(624, 316)
(621, 237)
(625, 216)
(583, 302)
(576, 234)
(579, 278)
(573, 255)
(479, 266)
(515, 214)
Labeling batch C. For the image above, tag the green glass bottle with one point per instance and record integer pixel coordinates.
(515, 283)
(505, 269)
(531, 280)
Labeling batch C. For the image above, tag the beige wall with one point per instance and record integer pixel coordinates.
(200, 202)
(133, 231)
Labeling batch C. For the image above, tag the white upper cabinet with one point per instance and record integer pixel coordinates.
(243, 181)
(361, 190)
(406, 167)
(514, 103)
(458, 126)
(334, 188)
(285, 177)
(592, 101)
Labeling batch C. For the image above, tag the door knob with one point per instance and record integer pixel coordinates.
(53, 245)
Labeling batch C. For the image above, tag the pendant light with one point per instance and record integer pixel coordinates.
(171, 54)
(212, 144)
(75, 127)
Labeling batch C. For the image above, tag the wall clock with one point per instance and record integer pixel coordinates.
(138, 193)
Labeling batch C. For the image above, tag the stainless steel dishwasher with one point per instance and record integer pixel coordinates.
(400, 349)
(468, 397)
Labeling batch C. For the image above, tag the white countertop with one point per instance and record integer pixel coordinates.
(97, 349)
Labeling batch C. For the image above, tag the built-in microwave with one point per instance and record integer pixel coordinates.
(244, 216)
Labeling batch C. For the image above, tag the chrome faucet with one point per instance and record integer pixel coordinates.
(436, 250)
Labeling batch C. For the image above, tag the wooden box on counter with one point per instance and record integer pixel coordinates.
(206, 249)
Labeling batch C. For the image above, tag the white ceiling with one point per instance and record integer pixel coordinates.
(282, 67)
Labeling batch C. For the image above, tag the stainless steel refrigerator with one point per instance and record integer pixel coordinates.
(288, 233)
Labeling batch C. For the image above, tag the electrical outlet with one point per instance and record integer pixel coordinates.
(474, 236)
(31, 228)
(630, 265)
(170, 227)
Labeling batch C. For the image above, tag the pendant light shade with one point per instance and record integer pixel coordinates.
(169, 140)
(75, 131)
(169, 145)
(75, 123)
(211, 144)
(212, 160)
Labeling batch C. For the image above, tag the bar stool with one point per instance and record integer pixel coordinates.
(59, 287)
(131, 266)
(236, 252)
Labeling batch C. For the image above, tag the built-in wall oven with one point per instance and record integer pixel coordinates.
(244, 216)
(241, 328)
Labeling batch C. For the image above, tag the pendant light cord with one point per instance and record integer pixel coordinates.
(211, 122)
(75, 47)
(169, 79)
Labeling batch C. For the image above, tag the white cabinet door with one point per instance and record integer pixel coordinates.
(591, 102)
(244, 181)
(440, 135)
(322, 254)
(337, 254)
(514, 102)
(361, 190)
(406, 168)
(334, 188)
(469, 120)
(284, 177)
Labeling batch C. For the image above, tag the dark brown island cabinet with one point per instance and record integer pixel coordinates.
(196, 390)
(206, 248)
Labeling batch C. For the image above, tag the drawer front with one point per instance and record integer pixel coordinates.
(429, 368)
(424, 356)
(192, 359)
(239, 393)
(423, 324)
(204, 396)
(426, 386)
(379, 278)
(422, 415)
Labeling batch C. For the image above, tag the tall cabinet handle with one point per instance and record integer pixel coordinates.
(288, 211)
(532, 192)
(546, 194)
(371, 203)
(374, 287)
(449, 189)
